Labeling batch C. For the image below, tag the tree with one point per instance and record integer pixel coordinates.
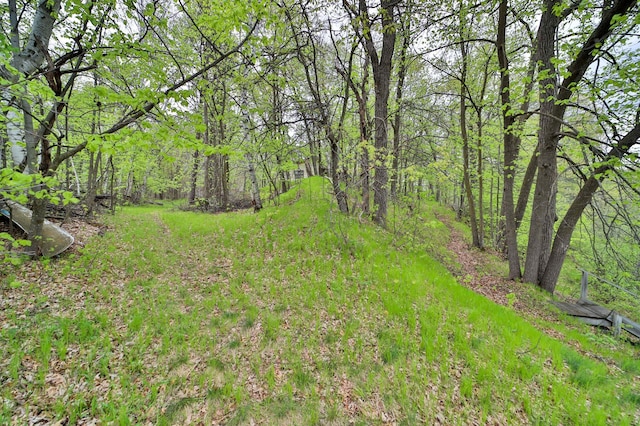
(511, 146)
(381, 64)
(554, 97)
(465, 146)
(402, 75)
(25, 61)
(361, 93)
(307, 53)
(591, 184)
(61, 75)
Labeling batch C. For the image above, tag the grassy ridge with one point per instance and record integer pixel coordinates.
(297, 315)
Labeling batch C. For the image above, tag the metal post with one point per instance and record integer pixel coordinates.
(617, 323)
(583, 287)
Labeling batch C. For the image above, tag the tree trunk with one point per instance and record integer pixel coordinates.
(92, 180)
(27, 60)
(510, 148)
(585, 195)
(480, 184)
(479, 108)
(112, 195)
(255, 187)
(365, 177)
(194, 176)
(34, 52)
(311, 74)
(39, 209)
(466, 178)
(365, 139)
(381, 65)
(402, 72)
(47, 169)
(94, 159)
(553, 105)
(341, 196)
(362, 98)
(550, 276)
(525, 188)
(224, 175)
(15, 133)
(31, 143)
(543, 213)
(207, 141)
(220, 167)
(313, 151)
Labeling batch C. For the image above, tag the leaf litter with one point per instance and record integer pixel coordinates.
(252, 368)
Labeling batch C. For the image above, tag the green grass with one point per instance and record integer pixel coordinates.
(296, 315)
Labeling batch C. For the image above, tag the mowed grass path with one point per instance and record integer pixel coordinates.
(293, 316)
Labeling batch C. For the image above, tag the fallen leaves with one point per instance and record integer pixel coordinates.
(475, 273)
(346, 393)
(210, 336)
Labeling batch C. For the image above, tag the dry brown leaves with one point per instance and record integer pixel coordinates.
(498, 289)
(82, 231)
(473, 264)
(346, 392)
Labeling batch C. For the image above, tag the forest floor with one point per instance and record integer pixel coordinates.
(296, 315)
(475, 269)
(472, 272)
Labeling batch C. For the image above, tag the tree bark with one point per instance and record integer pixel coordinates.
(92, 181)
(216, 135)
(47, 169)
(553, 105)
(466, 178)
(510, 148)
(479, 108)
(480, 173)
(194, 176)
(543, 212)
(251, 168)
(365, 138)
(255, 187)
(341, 196)
(206, 137)
(311, 75)
(397, 121)
(381, 65)
(362, 98)
(562, 239)
(525, 188)
(313, 150)
(26, 61)
(34, 52)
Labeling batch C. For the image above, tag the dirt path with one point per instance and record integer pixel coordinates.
(472, 262)
(478, 274)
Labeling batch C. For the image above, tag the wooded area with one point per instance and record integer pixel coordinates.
(522, 116)
(392, 175)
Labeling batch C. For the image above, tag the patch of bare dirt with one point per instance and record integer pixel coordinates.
(475, 273)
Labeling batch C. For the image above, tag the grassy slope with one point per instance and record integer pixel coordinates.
(297, 315)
